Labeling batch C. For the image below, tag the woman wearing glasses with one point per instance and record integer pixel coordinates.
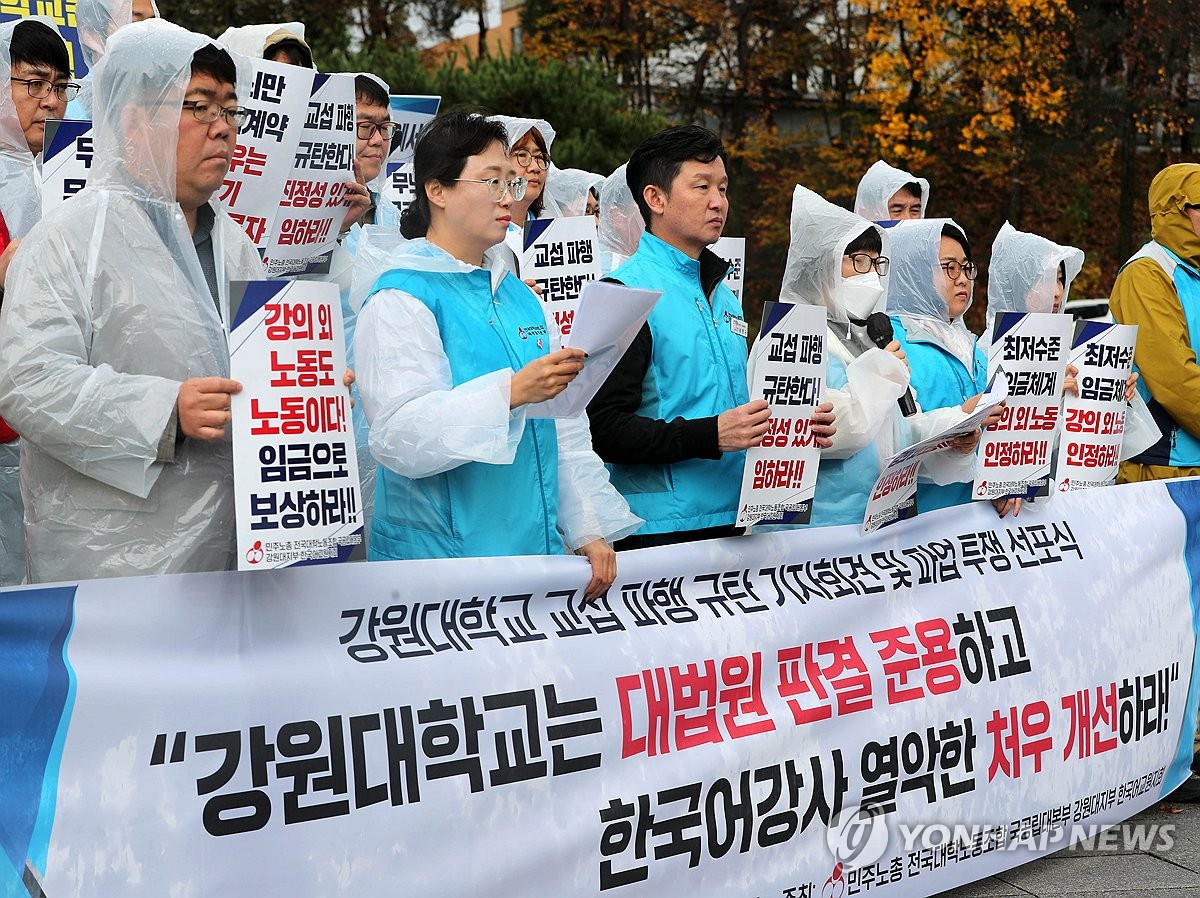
(836, 259)
(451, 352)
(929, 292)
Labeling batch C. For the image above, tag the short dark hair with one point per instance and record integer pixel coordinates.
(368, 90)
(34, 43)
(216, 63)
(659, 158)
(440, 154)
(955, 234)
(296, 52)
(913, 188)
(868, 241)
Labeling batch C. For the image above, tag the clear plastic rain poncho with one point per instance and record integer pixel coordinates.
(621, 223)
(865, 395)
(96, 20)
(20, 177)
(1023, 274)
(569, 188)
(108, 312)
(421, 424)
(252, 40)
(879, 185)
(912, 289)
(516, 129)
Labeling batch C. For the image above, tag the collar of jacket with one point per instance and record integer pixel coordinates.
(710, 269)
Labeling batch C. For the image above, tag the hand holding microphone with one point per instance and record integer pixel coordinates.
(879, 330)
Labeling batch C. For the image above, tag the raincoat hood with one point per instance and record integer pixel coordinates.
(1023, 273)
(253, 40)
(96, 21)
(879, 185)
(913, 289)
(140, 84)
(519, 127)
(20, 179)
(567, 189)
(1173, 188)
(621, 223)
(821, 232)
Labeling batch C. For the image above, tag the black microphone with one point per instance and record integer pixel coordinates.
(879, 330)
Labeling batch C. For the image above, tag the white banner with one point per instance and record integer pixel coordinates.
(787, 370)
(733, 251)
(66, 161)
(1014, 456)
(1093, 423)
(767, 715)
(295, 469)
(562, 255)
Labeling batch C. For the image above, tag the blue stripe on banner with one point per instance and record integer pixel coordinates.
(36, 690)
(1186, 494)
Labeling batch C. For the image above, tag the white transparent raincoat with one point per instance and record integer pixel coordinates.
(621, 224)
(516, 128)
(107, 313)
(421, 424)
(862, 381)
(912, 296)
(251, 40)
(569, 188)
(96, 21)
(879, 185)
(1022, 277)
(21, 206)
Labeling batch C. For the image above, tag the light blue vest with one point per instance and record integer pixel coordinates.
(697, 370)
(940, 380)
(1177, 448)
(475, 509)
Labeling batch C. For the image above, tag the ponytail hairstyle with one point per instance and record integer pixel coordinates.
(440, 154)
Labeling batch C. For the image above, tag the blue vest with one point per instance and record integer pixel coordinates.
(1177, 448)
(940, 381)
(475, 509)
(697, 370)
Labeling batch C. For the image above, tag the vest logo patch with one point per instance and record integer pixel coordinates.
(536, 330)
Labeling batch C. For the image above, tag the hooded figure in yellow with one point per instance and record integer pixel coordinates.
(1159, 290)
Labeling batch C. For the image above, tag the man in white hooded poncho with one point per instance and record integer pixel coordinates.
(114, 359)
(886, 193)
(862, 381)
(33, 59)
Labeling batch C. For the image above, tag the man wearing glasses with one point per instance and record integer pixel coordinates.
(113, 357)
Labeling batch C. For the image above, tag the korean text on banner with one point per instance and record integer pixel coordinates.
(266, 146)
(412, 114)
(562, 255)
(733, 251)
(1093, 423)
(295, 465)
(66, 161)
(788, 365)
(894, 496)
(1015, 455)
(753, 716)
(312, 207)
(609, 317)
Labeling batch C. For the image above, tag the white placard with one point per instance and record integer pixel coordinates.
(413, 114)
(66, 161)
(733, 250)
(562, 255)
(1015, 455)
(788, 365)
(295, 466)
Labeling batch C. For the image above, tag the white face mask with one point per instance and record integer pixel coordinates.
(859, 295)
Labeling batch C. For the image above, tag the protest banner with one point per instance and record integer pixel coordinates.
(562, 255)
(1015, 454)
(295, 466)
(62, 13)
(733, 251)
(66, 161)
(312, 205)
(1093, 422)
(768, 715)
(412, 114)
(787, 370)
(894, 495)
(266, 146)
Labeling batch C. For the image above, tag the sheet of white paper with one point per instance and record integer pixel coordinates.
(608, 318)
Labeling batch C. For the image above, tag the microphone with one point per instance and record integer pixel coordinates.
(879, 330)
